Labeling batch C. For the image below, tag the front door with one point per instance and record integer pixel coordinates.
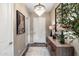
(39, 30)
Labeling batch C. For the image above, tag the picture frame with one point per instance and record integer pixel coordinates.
(20, 23)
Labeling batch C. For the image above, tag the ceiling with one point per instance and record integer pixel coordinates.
(48, 6)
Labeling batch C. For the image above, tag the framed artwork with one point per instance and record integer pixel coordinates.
(20, 23)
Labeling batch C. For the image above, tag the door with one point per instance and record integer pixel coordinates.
(6, 29)
(39, 31)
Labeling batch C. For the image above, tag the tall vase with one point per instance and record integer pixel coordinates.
(62, 40)
(51, 33)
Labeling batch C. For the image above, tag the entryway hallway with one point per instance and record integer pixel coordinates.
(24, 31)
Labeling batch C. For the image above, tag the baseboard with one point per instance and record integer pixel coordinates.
(25, 50)
(22, 52)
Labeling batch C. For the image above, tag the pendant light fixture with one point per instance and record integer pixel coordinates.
(39, 9)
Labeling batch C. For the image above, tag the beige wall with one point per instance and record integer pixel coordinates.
(52, 13)
(48, 23)
(75, 42)
(20, 41)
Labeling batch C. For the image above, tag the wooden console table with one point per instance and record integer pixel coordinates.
(59, 49)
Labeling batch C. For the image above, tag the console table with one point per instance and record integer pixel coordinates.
(58, 49)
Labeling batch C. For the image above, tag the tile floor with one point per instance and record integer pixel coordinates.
(37, 51)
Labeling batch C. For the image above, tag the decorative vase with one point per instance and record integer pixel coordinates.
(51, 33)
(54, 36)
(62, 41)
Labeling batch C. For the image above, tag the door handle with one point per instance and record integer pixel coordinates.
(10, 43)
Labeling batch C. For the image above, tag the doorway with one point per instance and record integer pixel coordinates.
(39, 30)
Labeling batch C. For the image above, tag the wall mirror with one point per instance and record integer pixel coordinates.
(67, 15)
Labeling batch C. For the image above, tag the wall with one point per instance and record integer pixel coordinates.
(48, 23)
(75, 42)
(52, 13)
(20, 41)
(31, 27)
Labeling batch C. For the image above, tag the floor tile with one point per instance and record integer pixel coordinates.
(37, 51)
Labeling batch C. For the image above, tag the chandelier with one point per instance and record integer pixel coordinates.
(39, 9)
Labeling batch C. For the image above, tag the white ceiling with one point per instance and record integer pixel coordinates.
(48, 6)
